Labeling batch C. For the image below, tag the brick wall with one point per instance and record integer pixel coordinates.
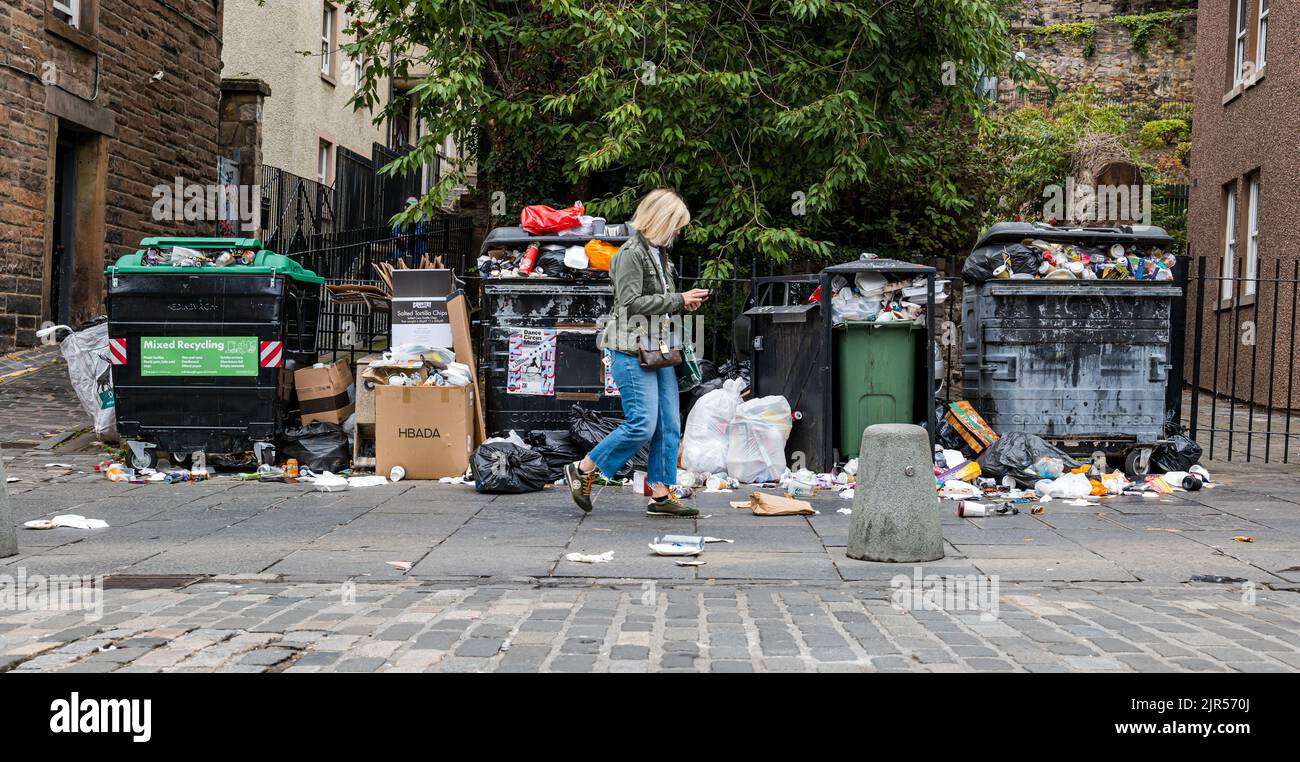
(157, 130)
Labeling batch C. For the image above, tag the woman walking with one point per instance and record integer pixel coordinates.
(643, 302)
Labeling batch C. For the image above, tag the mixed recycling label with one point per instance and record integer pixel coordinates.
(198, 356)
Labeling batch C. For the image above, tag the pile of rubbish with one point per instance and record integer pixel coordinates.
(1022, 470)
(873, 298)
(1033, 259)
(180, 256)
(418, 365)
(578, 261)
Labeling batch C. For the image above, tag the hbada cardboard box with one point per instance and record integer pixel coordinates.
(325, 392)
(427, 430)
(420, 307)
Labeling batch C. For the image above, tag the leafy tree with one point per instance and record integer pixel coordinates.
(780, 122)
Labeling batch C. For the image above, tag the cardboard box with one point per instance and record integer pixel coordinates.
(463, 346)
(970, 425)
(427, 430)
(325, 394)
(420, 307)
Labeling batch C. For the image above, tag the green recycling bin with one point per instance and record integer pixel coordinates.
(875, 369)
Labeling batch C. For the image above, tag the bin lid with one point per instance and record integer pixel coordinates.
(517, 236)
(264, 262)
(879, 265)
(1015, 232)
(794, 313)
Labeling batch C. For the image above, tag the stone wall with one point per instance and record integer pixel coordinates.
(1109, 57)
(140, 129)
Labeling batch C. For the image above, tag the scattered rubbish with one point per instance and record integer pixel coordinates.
(678, 545)
(704, 438)
(1180, 454)
(1036, 510)
(845, 511)
(58, 465)
(329, 482)
(717, 539)
(847, 493)
(970, 508)
(1217, 579)
(1081, 503)
(756, 440)
(319, 445)
(505, 645)
(366, 481)
(762, 504)
(957, 490)
(455, 480)
(1016, 453)
(11, 479)
(1033, 259)
(68, 521)
(397, 473)
(107, 647)
(970, 426)
(692, 562)
(589, 427)
(587, 558)
(402, 565)
(1243, 538)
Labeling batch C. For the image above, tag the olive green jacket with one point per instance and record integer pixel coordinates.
(639, 298)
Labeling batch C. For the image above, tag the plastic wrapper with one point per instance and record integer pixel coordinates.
(543, 220)
(756, 440)
(588, 428)
(503, 468)
(1015, 453)
(551, 262)
(319, 446)
(1179, 455)
(599, 254)
(86, 353)
(704, 442)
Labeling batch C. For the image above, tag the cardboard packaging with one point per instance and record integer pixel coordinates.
(325, 394)
(427, 430)
(420, 307)
(970, 425)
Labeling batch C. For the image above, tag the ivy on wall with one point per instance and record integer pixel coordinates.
(1162, 25)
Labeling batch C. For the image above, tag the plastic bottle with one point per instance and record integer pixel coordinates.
(1049, 468)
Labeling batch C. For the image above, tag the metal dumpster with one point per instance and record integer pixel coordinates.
(539, 354)
(202, 357)
(1085, 364)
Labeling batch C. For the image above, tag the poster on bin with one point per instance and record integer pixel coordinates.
(198, 356)
(532, 362)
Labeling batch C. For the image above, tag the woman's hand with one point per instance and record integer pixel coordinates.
(694, 298)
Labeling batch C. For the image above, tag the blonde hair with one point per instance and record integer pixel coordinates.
(660, 214)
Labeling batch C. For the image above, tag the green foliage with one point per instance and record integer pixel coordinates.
(1165, 132)
(1082, 30)
(1165, 24)
(780, 122)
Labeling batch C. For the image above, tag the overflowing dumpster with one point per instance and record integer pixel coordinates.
(202, 356)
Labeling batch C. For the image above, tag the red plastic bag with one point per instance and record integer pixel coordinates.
(543, 220)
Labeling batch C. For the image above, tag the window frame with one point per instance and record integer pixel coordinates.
(325, 152)
(1261, 35)
(1251, 275)
(72, 8)
(1241, 38)
(328, 39)
(1229, 244)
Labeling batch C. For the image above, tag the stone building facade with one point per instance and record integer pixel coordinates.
(104, 101)
(1087, 42)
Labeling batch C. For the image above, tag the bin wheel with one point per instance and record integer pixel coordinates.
(138, 461)
(264, 452)
(182, 460)
(1136, 465)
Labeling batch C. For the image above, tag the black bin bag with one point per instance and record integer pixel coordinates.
(1015, 453)
(588, 428)
(1179, 455)
(319, 446)
(557, 449)
(503, 468)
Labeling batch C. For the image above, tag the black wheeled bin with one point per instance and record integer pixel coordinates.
(1085, 364)
(524, 317)
(202, 357)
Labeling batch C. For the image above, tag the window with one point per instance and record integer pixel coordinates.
(358, 68)
(1229, 242)
(1261, 43)
(325, 162)
(68, 11)
(327, 40)
(1239, 62)
(1252, 242)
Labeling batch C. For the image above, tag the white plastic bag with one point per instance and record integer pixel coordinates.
(704, 442)
(756, 440)
(86, 353)
(1069, 486)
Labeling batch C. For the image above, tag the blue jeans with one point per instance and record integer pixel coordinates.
(650, 414)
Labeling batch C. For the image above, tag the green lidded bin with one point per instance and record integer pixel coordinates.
(875, 369)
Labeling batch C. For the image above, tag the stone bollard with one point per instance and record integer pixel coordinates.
(8, 535)
(895, 508)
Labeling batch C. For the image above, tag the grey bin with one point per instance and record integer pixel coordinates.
(1084, 364)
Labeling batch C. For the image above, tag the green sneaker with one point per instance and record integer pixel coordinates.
(579, 485)
(669, 506)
